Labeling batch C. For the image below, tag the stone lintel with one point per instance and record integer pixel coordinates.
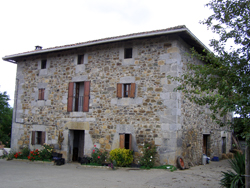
(77, 125)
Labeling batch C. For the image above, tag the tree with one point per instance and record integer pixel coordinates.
(5, 119)
(223, 82)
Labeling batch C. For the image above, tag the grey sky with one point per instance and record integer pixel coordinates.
(49, 23)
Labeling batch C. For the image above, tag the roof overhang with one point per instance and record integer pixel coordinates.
(182, 31)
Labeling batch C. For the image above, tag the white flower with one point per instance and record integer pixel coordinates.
(151, 157)
(150, 160)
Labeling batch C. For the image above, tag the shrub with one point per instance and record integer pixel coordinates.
(98, 157)
(46, 152)
(25, 152)
(236, 178)
(34, 155)
(148, 158)
(122, 157)
(18, 155)
(10, 156)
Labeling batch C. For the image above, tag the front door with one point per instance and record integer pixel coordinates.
(206, 145)
(78, 144)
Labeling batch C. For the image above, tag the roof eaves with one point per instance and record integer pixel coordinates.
(177, 29)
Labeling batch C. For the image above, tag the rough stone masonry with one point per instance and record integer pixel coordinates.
(156, 114)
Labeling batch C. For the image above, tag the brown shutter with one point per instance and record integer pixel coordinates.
(70, 97)
(132, 91)
(119, 90)
(122, 141)
(33, 138)
(42, 97)
(130, 141)
(86, 96)
(43, 138)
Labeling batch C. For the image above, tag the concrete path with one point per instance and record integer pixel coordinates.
(26, 174)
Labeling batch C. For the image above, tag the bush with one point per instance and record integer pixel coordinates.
(34, 155)
(98, 157)
(25, 152)
(236, 178)
(122, 157)
(46, 152)
(148, 158)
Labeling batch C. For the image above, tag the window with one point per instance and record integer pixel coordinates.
(38, 137)
(43, 64)
(126, 141)
(78, 96)
(126, 90)
(41, 94)
(128, 53)
(80, 59)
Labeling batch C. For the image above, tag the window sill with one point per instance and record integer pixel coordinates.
(126, 101)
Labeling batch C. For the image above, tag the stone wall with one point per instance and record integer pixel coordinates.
(157, 114)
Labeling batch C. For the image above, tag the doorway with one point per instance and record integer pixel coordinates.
(78, 144)
(206, 144)
(223, 144)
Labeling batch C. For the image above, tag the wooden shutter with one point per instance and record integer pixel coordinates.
(70, 97)
(122, 141)
(41, 94)
(119, 90)
(130, 141)
(33, 138)
(43, 138)
(86, 96)
(132, 91)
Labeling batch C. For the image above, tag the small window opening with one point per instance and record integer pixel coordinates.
(41, 94)
(39, 137)
(80, 59)
(126, 90)
(128, 53)
(43, 64)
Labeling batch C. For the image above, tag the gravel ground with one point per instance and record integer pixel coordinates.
(26, 174)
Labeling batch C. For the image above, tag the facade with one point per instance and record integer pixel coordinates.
(113, 93)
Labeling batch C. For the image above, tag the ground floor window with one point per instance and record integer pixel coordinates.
(38, 137)
(126, 141)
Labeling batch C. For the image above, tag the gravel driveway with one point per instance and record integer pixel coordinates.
(26, 174)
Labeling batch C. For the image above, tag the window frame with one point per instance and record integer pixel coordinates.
(125, 140)
(80, 59)
(41, 92)
(126, 90)
(38, 137)
(128, 53)
(72, 96)
(44, 64)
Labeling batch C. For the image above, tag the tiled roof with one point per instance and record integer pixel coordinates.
(104, 40)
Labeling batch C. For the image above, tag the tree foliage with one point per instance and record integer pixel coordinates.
(5, 119)
(223, 81)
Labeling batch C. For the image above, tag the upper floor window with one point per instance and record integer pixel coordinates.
(80, 59)
(126, 90)
(128, 53)
(43, 64)
(41, 94)
(78, 96)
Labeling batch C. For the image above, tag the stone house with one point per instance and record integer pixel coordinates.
(113, 92)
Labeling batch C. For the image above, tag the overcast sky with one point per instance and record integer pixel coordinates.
(49, 23)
